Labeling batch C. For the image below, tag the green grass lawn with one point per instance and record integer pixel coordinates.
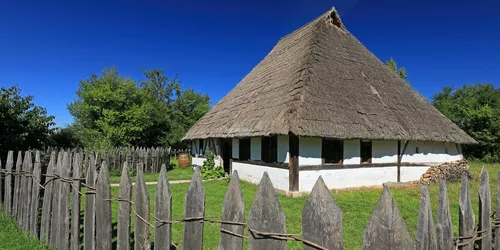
(11, 237)
(356, 206)
(174, 174)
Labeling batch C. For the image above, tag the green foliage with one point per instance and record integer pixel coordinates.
(65, 137)
(475, 109)
(112, 110)
(401, 72)
(209, 170)
(23, 124)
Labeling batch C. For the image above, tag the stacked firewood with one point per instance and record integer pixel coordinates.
(449, 171)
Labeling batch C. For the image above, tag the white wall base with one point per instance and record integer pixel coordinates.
(198, 161)
(253, 174)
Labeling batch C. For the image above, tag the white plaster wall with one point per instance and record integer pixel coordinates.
(255, 148)
(357, 177)
(253, 174)
(198, 161)
(283, 145)
(431, 152)
(236, 148)
(352, 152)
(309, 151)
(384, 151)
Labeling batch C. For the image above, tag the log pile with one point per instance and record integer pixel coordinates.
(449, 171)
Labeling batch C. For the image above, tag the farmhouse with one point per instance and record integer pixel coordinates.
(320, 103)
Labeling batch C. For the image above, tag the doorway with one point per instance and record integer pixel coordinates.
(227, 153)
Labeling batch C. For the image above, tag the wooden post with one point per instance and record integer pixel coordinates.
(233, 209)
(163, 211)
(293, 164)
(400, 157)
(194, 208)
(75, 209)
(124, 209)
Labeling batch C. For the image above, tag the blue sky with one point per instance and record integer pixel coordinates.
(46, 47)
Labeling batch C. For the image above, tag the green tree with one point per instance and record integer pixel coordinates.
(401, 72)
(65, 137)
(23, 125)
(108, 110)
(475, 109)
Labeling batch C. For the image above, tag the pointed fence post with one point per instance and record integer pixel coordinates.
(466, 215)
(8, 183)
(194, 208)
(233, 209)
(89, 215)
(444, 226)
(322, 219)
(45, 221)
(386, 228)
(141, 205)
(17, 185)
(27, 185)
(2, 178)
(124, 209)
(54, 222)
(426, 235)
(35, 195)
(75, 209)
(103, 210)
(163, 211)
(266, 215)
(484, 212)
(22, 192)
(497, 216)
(63, 196)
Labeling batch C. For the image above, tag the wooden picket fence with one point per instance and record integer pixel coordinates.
(45, 201)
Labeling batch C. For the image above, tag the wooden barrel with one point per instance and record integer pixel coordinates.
(183, 160)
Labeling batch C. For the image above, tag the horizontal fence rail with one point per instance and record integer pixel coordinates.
(45, 200)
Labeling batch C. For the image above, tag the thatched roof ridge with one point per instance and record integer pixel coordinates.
(321, 81)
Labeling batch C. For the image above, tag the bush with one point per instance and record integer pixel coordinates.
(209, 170)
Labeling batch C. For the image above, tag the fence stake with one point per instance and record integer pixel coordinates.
(63, 196)
(54, 227)
(124, 209)
(141, 205)
(89, 215)
(322, 219)
(103, 210)
(485, 212)
(444, 226)
(386, 228)
(194, 208)
(8, 183)
(266, 215)
(17, 186)
(27, 181)
(466, 215)
(35, 195)
(163, 211)
(233, 209)
(75, 209)
(45, 221)
(426, 235)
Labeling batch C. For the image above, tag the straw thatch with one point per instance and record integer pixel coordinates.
(321, 81)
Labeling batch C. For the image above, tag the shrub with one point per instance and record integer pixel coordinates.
(209, 170)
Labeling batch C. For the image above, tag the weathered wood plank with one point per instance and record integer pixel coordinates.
(194, 207)
(35, 195)
(103, 210)
(2, 178)
(27, 181)
(322, 219)
(45, 221)
(17, 185)
(233, 209)
(8, 183)
(497, 215)
(426, 235)
(89, 214)
(63, 196)
(163, 211)
(141, 205)
(444, 226)
(23, 193)
(75, 206)
(465, 215)
(266, 215)
(485, 211)
(124, 209)
(56, 209)
(386, 228)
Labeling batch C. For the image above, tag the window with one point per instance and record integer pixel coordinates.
(366, 151)
(201, 151)
(417, 150)
(245, 149)
(332, 151)
(446, 150)
(269, 149)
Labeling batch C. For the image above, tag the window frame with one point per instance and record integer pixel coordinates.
(245, 147)
(332, 151)
(269, 149)
(363, 144)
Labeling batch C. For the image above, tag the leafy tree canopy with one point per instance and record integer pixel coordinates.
(475, 109)
(112, 110)
(401, 72)
(23, 125)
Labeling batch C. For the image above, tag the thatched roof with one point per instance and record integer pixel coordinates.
(321, 81)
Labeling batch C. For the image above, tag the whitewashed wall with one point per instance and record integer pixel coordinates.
(283, 145)
(357, 177)
(310, 151)
(384, 151)
(253, 174)
(351, 152)
(236, 148)
(255, 148)
(198, 161)
(431, 152)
